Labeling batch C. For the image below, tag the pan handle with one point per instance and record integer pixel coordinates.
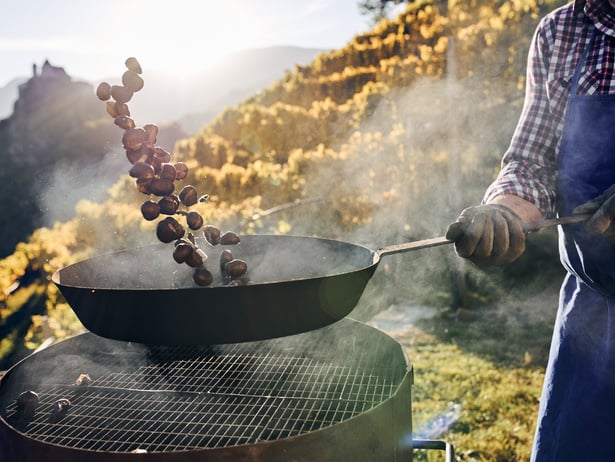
(437, 241)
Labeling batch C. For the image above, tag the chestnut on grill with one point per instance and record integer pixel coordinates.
(83, 380)
(27, 402)
(61, 405)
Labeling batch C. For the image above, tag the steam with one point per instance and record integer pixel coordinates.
(71, 182)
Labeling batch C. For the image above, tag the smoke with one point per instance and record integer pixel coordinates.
(397, 179)
(74, 181)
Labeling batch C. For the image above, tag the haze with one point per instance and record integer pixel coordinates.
(89, 38)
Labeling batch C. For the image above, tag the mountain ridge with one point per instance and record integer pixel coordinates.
(197, 99)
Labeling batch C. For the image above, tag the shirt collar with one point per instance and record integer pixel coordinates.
(600, 13)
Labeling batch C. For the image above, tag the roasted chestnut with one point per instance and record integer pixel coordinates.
(150, 210)
(212, 234)
(196, 258)
(132, 81)
(124, 122)
(169, 230)
(188, 195)
(202, 276)
(61, 405)
(181, 170)
(27, 402)
(133, 138)
(151, 131)
(225, 256)
(162, 187)
(83, 380)
(142, 170)
(229, 238)
(235, 268)
(167, 172)
(182, 252)
(121, 94)
(103, 91)
(168, 205)
(133, 65)
(194, 220)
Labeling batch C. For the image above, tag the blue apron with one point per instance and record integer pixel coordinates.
(576, 419)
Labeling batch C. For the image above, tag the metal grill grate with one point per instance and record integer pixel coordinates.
(174, 399)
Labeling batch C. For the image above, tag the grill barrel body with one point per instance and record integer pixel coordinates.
(340, 393)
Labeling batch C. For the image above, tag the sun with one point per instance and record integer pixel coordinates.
(181, 37)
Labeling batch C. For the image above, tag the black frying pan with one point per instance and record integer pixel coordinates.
(296, 284)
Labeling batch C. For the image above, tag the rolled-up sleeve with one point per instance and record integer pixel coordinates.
(529, 166)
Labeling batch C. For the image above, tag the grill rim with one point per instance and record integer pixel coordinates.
(398, 395)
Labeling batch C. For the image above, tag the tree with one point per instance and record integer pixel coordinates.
(378, 9)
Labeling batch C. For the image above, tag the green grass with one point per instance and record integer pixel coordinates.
(491, 366)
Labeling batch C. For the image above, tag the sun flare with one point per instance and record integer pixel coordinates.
(183, 37)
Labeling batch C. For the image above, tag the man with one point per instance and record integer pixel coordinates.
(561, 160)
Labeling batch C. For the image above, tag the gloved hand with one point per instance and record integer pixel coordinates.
(603, 209)
(488, 235)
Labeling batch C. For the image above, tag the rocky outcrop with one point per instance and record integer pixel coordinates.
(56, 122)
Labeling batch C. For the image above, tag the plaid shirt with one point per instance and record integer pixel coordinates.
(529, 166)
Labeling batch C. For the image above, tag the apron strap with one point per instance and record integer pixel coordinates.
(577, 71)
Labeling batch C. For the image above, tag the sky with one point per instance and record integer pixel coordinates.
(91, 39)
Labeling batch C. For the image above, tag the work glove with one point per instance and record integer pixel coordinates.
(488, 235)
(603, 209)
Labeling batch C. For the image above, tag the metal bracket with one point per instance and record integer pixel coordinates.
(438, 445)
